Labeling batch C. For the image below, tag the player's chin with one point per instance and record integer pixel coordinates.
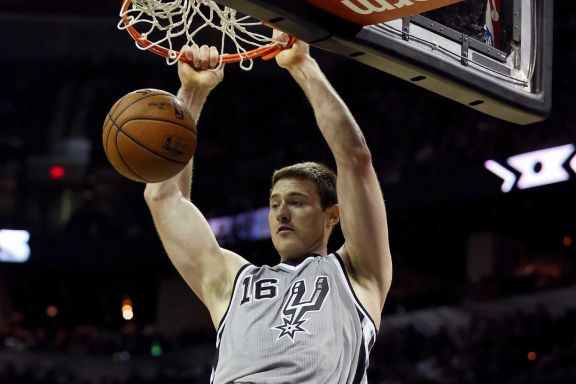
(288, 248)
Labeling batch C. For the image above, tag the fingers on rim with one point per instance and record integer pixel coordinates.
(281, 38)
(204, 57)
(195, 56)
(276, 33)
(214, 59)
(188, 52)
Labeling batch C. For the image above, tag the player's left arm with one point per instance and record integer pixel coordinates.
(362, 212)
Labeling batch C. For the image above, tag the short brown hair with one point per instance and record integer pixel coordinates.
(321, 175)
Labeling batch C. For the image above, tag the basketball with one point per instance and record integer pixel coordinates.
(149, 136)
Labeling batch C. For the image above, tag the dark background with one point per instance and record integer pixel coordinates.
(64, 64)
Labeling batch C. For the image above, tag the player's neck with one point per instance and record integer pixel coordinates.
(298, 258)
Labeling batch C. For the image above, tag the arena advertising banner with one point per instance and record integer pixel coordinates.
(366, 12)
(536, 168)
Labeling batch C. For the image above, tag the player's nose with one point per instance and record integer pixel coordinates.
(282, 213)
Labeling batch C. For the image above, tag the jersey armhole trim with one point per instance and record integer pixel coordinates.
(358, 302)
(236, 278)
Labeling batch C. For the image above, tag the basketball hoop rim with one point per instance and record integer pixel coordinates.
(266, 53)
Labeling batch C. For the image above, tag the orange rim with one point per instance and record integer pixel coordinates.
(266, 53)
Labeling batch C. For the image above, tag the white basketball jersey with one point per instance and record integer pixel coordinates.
(290, 324)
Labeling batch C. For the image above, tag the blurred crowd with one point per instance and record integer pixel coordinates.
(527, 348)
(522, 348)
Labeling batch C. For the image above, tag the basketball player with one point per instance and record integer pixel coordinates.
(312, 318)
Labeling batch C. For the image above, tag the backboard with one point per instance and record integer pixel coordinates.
(494, 56)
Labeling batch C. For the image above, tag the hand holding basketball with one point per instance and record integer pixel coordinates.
(204, 72)
(297, 54)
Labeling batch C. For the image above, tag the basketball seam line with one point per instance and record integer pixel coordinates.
(112, 112)
(160, 119)
(124, 160)
(146, 148)
(137, 100)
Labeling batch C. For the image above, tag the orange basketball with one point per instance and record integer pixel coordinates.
(149, 136)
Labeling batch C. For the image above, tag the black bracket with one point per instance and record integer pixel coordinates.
(465, 46)
(517, 21)
(406, 27)
(456, 36)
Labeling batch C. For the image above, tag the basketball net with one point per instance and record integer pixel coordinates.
(167, 25)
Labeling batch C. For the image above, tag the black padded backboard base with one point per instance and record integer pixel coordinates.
(515, 88)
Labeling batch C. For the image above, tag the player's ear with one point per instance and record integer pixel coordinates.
(333, 214)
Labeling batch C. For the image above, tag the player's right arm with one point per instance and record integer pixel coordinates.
(185, 234)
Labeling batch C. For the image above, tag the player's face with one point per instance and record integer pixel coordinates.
(297, 222)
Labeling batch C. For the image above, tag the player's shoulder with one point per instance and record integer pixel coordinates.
(233, 265)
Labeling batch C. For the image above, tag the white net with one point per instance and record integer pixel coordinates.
(170, 25)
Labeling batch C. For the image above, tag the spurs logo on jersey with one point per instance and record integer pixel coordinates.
(295, 308)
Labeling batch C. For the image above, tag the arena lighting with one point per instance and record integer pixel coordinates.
(52, 311)
(14, 247)
(156, 349)
(127, 310)
(127, 314)
(57, 172)
(537, 168)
